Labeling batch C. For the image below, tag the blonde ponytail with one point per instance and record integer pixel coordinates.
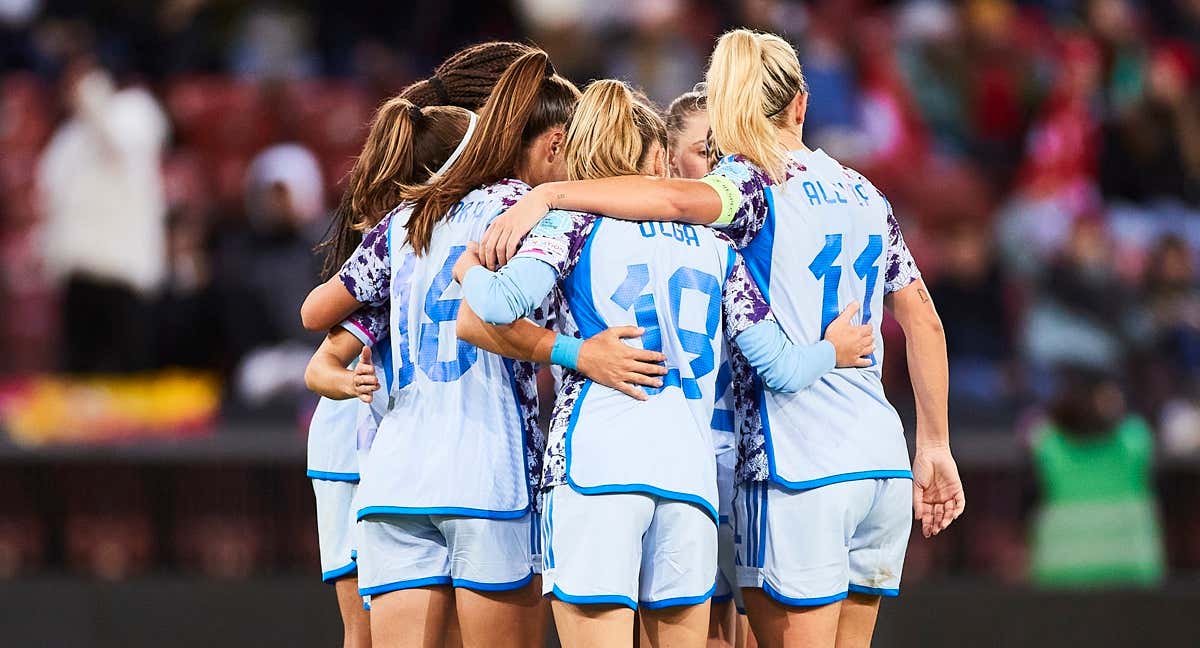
(611, 132)
(752, 77)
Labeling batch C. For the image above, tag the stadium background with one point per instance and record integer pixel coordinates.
(1043, 158)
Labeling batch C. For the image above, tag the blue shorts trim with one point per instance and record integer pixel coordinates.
(802, 602)
(722, 598)
(599, 599)
(404, 584)
(874, 591)
(369, 511)
(679, 600)
(844, 477)
(340, 572)
(354, 554)
(493, 587)
(326, 475)
(722, 519)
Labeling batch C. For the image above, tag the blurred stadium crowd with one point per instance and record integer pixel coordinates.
(167, 168)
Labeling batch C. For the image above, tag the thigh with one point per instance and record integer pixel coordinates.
(411, 618)
(511, 618)
(680, 626)
(856, 621)
(679, 557)
(880, 540)
(722, 623)
(593, 546)
(356, 622)
(400, 552)
(593, 625)
(777, 625)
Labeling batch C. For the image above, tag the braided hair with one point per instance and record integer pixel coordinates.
(467, 77)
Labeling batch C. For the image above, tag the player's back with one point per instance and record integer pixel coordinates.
(454, 439)
(667, 278)
(822, 248)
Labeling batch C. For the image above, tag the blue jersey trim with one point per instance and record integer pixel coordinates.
(875, 591)
(730, 261)
(762, 525)
(325, 475)
(340, 572)
(548, 554)
(802, 602)
(595, 599)
(722, 420)
(758, 251)
(354, 554)
(366, 605)
(577, 288)
(606, 489)
(810, 484)
(510, 366)
(404, 584)
(679, 600)
(383, 353)
(460, 511)
(493, 587)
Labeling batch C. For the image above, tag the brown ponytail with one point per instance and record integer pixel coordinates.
(467, 77)
(528, 100)
(405, 145)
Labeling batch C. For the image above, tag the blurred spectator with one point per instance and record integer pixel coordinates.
(1082, 314)
(1097, 523)
(1152, 148)
(101, 191)
(265, 270)
(971, 298)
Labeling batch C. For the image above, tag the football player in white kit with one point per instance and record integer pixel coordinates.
(631, 513)
(447, 503)
(825, 483)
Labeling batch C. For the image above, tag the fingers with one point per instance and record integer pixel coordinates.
(514, 243)
(487, 246)
(472, 247)
(364, 358)
(939, 516)
(648, 368)
(626, 332)
(631, 391)
(851, 311)
(862, 362)
(638, 378)
(366, 398)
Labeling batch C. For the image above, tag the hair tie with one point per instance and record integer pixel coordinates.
(414, 113)
(439, 89)
(550, 71)
(462, 145)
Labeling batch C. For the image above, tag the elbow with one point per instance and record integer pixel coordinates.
(495, 315)
(310, 317)
(310, 377)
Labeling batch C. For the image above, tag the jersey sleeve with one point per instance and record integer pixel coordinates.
(901, 268)
(742, 302)
(367, 273)
(369, 324)
(558, 240)
(742, 187)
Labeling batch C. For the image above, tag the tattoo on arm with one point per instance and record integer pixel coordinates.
(923, 295)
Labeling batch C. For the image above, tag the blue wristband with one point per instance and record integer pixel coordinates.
(565, 351)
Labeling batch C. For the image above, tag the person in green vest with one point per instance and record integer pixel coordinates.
(1097, 523)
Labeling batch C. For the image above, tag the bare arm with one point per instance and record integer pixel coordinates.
(938, 496)
(926, 347)
(327, 375)
(521, 340)
(327, 305)
(626, 197)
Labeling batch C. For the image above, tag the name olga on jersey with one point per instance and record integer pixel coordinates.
(818, 195)
(681, 232)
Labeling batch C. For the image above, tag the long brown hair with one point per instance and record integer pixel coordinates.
(612, 132)
(528, 100)
(405, 145)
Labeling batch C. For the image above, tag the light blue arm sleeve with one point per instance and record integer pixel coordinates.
(510, 293)
(783, 366)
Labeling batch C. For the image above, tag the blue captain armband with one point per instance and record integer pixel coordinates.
(565, 352)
